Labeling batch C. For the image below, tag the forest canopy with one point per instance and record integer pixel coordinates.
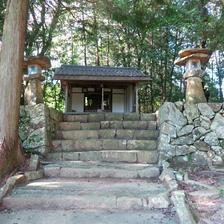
(146, 34)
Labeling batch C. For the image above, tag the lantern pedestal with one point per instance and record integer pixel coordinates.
(194, 90)
(34, 90)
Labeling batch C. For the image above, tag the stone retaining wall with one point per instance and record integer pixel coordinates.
(191, 134)
(38, 125)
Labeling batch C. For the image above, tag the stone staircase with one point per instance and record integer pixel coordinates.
(106, 137)
(98, 161)
(105, 145)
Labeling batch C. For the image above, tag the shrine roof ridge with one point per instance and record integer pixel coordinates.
(79, 70)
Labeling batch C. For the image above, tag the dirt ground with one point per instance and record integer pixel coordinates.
(206, 198)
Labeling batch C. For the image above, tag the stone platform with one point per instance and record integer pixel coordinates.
(59, 193)
(87, 217)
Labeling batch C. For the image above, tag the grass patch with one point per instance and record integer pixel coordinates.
(221, 193)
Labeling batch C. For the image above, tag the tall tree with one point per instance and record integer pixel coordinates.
(11, 67)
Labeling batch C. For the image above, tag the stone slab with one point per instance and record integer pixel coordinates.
(91, 169)
(146, 134)
(78, 134)
(67, 145)
(88, 144)
(114, 144)
(52, 171)
(140, 125)
(56, 145)
(56, 193)
(125, 134)
(150, 157)
(131, 156)
(141, 144)
(107, 134)
(105, 124)
(131, 116)
(152, 125)
(69, 125)
(10, 184)
(149, 172)
(148, 117)
(55, 156)
(119, 156)
(96, 117)
(216, 107)
(135, 124)
(71, 156)
(34, 162)
(168, 129)
(114, 116)
(86, 217)
(206, 110)
(78, 145)
(89, 156)
(168, 112)
(76, 118)
(116, 124)
(34, 175)
(183, 213)
(90, 126)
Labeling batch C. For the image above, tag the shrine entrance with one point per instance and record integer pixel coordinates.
(93, 102)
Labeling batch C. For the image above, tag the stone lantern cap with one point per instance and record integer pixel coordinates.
(196, 54)
(43, 61)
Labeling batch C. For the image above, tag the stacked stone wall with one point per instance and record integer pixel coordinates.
(191, 134)
(38, 125)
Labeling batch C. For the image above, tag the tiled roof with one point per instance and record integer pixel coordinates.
(76, 70)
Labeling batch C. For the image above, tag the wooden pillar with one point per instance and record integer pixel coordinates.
(125, 100)
(102, 103)
(66, 97)
(133, 98)
(136, 98)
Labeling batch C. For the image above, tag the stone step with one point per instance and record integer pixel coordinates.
(96, 117)
(70, 194)
(91, 169)
(103, 144)
(132, 156)
(140, 125)
(88, 216)
(108, 134)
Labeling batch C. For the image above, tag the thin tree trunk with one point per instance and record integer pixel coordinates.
(11, 63)
(97, 60)
(219, 75)
(151, 82)
(166, 64)
(108, 42)
(84, 38)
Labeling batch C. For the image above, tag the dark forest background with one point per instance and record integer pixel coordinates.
(132, 33)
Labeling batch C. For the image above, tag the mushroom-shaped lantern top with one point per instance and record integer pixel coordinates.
(43, 61)
(196, 55)
(35, 65)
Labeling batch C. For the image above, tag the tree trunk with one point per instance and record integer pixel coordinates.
(11, 65)
(84, 38)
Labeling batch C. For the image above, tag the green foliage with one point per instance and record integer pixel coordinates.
(221, 193)
(2, 14)
(53, 96)
(146, 34)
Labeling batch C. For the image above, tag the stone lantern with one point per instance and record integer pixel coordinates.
(33, 91)
(192, 59)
